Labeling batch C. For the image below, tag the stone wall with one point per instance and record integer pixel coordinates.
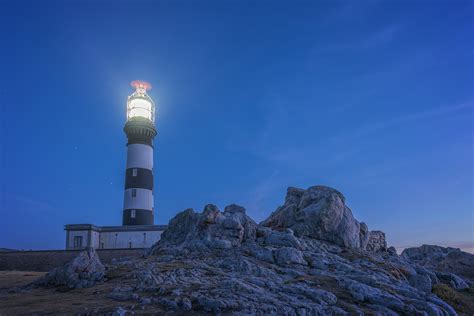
(46, 260)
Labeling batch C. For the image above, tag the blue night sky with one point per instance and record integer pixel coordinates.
(375, 100)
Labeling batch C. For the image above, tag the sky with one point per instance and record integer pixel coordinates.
(373, 98)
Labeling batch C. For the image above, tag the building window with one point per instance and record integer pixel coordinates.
(132, 214)
(134, 172)
(77, 241)
(134, 192)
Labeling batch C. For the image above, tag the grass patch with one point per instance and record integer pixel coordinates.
(173, 265)
(461, 301)
(118, 272)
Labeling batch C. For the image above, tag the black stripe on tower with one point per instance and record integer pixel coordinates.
(140, 130)
(137, 217)
(140, 139)
(139, 178)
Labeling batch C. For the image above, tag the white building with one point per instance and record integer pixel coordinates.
(79, 236)
(137, 230)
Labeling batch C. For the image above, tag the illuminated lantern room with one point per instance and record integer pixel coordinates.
(140, 125)
(140, 104)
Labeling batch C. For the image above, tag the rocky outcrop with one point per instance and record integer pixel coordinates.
(281, 275)
(269, 237)
(452, 280)
(319, 212)
(363, 235)
(392, 251)
(210, 229)
(288, 255)
(376, 242)
(310, 257)
(443, 259)
(83, 271)
(427, 254)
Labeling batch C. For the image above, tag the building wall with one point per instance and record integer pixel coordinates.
(46, 260)
(132, 239)
(95, 239)
(113, 237)
(82, 233)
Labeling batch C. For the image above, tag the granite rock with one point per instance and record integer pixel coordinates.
(319, 212)
(288, 255)
(363, 235)
(210, 229)
(377, 241)
(442, 259)
(83, 271)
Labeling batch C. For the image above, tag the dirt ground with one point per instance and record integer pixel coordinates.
(53, 302)
(9, 279)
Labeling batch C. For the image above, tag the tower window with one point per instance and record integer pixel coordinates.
(134, 192)
(132, 214)
(134, 172)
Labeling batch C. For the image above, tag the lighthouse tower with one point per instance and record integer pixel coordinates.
(138, 229)
(140, 130)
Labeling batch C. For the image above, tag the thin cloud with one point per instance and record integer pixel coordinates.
(379, 38)
(25, 203)
(362, 44)
(258, 195)
(410, 117)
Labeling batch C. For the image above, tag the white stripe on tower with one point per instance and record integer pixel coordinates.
(143, 199)
(139, 156)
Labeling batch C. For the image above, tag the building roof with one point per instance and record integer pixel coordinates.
(76, 227)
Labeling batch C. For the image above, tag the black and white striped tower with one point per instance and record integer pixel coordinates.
(140, 130)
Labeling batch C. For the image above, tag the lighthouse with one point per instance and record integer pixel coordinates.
(140, 130)
(137, 229)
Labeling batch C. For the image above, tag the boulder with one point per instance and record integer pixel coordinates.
(392, 251)
(180, 227)
(426, 254)
(288, 255)
(211, 228)
(281, 238)
(458, 262)
(422, 279)
(318, 212)
(442, 259)
(262, 253)
(452, 280)
(83, 271)
(293, 195)
(376, 242)
(363, 235)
